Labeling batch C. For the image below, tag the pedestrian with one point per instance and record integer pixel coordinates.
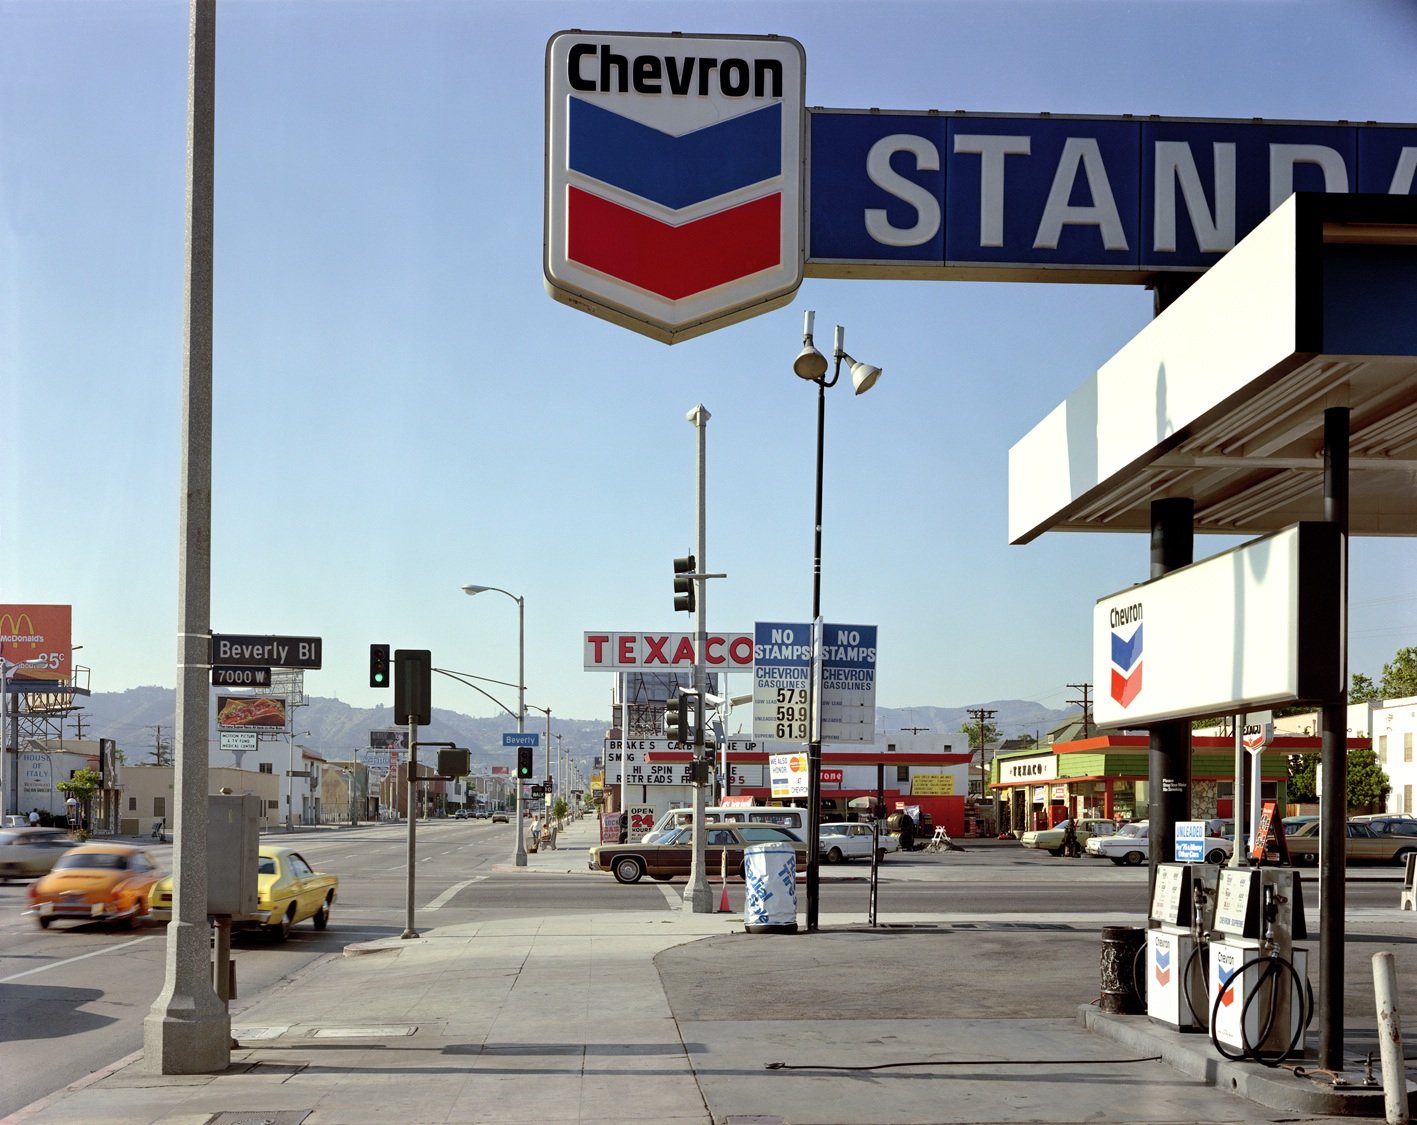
(34, 818)
(535, 832)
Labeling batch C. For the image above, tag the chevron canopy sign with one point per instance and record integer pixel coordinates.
(673, 177)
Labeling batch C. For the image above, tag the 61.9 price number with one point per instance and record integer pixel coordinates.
(790, 714)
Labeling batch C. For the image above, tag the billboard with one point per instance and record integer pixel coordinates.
(258, 713)
(607, 651)
(39, 633)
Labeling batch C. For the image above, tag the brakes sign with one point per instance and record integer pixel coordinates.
(673, 177)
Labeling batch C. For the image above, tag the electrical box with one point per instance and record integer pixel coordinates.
(233, 853)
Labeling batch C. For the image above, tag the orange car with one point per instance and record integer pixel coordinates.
(95, 882)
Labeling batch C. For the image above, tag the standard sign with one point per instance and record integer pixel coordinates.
(1190, 841)
(269, 652)
(237, 740)
(673, 177)
(639, 768)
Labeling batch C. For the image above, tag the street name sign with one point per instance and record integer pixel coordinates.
(246, 651)
(518, 738)
(241, 677)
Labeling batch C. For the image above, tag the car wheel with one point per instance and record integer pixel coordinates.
(1133, 858)
(1116, 860)
(662, 878)
(43, 920)
(1401, 857)
(880, 855)
(322, 916)
(1305, 859)
(1215, 855)
(1055, 851)
(834, 855)
(279, 931)
(628, 869)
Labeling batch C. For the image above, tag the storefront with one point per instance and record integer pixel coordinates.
(1106, 777)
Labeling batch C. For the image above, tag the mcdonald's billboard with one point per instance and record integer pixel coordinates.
(39, 633)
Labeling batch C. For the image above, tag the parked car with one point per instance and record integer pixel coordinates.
(288, 891)
(29, 852)
(1363, 845)
(95, 882)
(1392, 824)
(1051, 839)
(672, 857)
(1130, 845)
(838, 842)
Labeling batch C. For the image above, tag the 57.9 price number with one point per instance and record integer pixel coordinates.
(790, 714)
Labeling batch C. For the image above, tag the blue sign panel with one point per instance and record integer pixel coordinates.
(1068, 198)
(515, 739)
(1190, 841)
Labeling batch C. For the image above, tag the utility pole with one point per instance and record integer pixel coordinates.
(1086, 707)
(981, 716)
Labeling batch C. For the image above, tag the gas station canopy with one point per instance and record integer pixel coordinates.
(1221, 398)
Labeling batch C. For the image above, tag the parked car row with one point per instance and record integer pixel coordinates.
(1130, 845)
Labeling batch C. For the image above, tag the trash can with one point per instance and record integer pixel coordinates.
(1122, 960)
(770, 889)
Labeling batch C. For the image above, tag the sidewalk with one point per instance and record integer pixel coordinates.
(613, 1017)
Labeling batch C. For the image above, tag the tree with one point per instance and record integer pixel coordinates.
(1368, 785)
(1399, 680)
(82, 786)
(988, 729)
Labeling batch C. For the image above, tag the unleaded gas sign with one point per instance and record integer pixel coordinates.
(673, 177)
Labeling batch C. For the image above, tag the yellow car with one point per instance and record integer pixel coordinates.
(95, 883)
(289, 891)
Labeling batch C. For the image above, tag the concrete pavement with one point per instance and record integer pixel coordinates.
(669, 1016)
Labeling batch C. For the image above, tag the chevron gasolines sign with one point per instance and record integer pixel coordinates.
(673, 177)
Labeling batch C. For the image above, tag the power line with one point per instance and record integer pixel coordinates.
(1086, 707)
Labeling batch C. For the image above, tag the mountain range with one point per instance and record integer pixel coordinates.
(142, 718)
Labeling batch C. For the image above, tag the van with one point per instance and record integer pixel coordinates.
(794, 820)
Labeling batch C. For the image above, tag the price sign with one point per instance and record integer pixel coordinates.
(782, 667)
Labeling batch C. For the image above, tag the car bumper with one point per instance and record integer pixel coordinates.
(92, 911)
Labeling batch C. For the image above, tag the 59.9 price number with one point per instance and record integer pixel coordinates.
(790, 714)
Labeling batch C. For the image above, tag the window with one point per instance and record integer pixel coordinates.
(132, 804)
(1406, 799)
(1407, 747)
(1382, 749)
(266, 767)
(902, 773)
(160, 806)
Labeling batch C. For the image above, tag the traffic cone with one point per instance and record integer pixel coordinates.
(723, 907)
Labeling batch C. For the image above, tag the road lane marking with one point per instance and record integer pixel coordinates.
(451, 891)
(675, 899)
(80, 957)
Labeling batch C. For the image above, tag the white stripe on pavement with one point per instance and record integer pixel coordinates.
(80, 957)
(447, 895)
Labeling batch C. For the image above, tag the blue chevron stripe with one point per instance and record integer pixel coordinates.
(1128, 652)
(675, 172)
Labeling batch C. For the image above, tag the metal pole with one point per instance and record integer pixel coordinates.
(698, 898)
(411, 791)
(814, 745)
(519, 848)
(290, 783)
(1333, 760)
(188, 1030)
(1238, 794)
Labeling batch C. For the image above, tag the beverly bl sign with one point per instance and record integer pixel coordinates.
(688, 187)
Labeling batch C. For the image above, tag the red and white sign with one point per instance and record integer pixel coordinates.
(607, 651)
(831, 776)
(38, 637)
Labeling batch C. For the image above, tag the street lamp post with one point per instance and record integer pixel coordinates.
(811, 365)
(519, 848)
(290, 737)
(12, 788)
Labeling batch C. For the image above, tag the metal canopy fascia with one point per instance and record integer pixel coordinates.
(1221, 398)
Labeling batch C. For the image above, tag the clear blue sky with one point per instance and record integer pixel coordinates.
(401, 409)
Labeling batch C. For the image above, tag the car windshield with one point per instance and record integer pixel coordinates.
(1129, 830)
(96, 861)
(266, 866)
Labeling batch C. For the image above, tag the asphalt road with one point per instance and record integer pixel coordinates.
(73, 997)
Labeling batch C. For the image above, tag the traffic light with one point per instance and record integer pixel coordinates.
(676, 717)
(523, 762)
(378, 665)
(413, 692)
(684, 598)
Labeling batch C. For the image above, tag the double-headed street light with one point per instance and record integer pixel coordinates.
(811, 365)
(519, 848)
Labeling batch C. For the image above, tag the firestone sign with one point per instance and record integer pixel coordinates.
(673, 177)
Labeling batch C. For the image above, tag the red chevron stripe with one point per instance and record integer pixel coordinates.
(1125, 688)
(675, 262)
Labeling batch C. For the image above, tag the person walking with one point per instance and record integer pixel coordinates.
(34, 818)
(535, 832)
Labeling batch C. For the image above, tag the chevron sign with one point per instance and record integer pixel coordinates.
(673, 177)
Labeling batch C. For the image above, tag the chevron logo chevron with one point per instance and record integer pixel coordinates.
(1126, 666)
(1163, 967)
(674, 178)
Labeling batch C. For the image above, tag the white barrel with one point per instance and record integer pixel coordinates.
(770, 888)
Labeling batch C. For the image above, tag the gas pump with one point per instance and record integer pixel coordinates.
(1259, 991)
(1182, 913)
